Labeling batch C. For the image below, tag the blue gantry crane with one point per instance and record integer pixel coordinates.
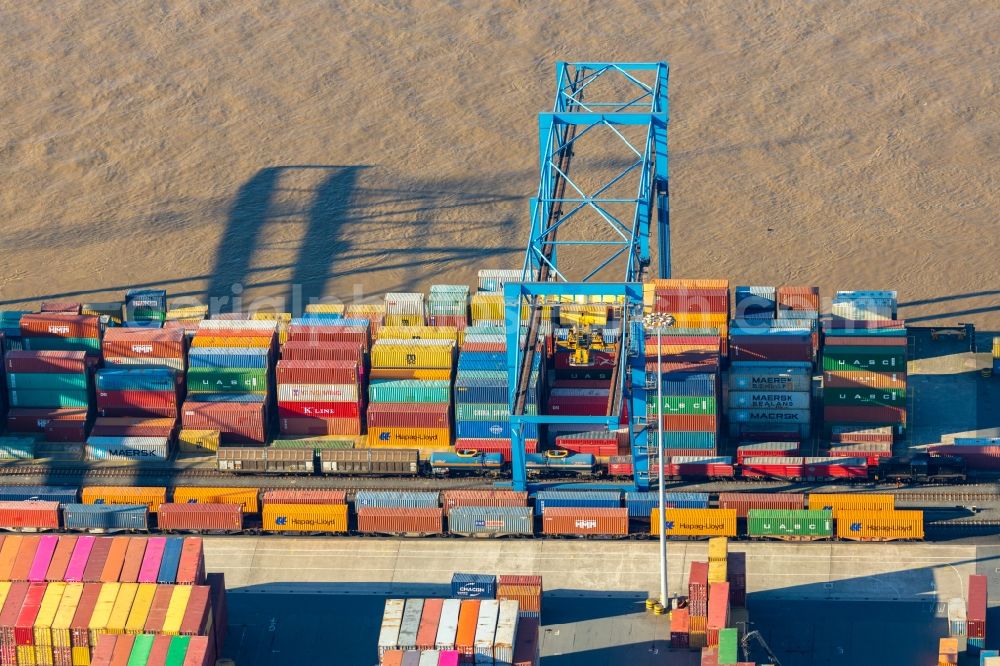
(582, 231)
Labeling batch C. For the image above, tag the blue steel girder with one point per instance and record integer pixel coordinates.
(632, 363)
(560, 201)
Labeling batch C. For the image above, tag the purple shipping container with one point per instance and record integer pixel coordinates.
(43, 557)
(151, 559)
(78, 562)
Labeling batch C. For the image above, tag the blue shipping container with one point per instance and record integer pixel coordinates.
(136, 379)
(577, 498)
(171, 559)
(491, 430)
(229, 357)
(393, 498)
(640, 504)
(106, 517)
(473, 586)
(40, 493)
(690, 384)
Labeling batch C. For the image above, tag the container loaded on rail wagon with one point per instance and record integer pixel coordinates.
(469, 513)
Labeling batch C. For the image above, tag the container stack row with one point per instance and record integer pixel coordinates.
(864, 363)
(482, 631)
(146, 650)
(230, 388)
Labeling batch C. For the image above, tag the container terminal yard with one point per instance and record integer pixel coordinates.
(822, 476)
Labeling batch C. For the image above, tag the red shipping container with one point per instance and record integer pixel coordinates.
(318, 426)
(35, 420)
(408, 415)
(322, 410)
(133, 403)
(30, 514)
(323, 351)
(144, 342)
(750, 348)
(98, 558)
(687, 362)
(718, 610)
(861, 435)
(158, 609)
(105, 650)
(200, 652)
(383, 520)
(698, 589)
(305, 497)
(680, 625)
(620, 466)
(976, 613)
(80, 626)
(689, 423)
(759, 451)
(495, 347)
(8, 618)
(743, 502)
(681, 300)
(24, 626)
(59, 430)
(501, 446)
(787, 467)
(61, 557)
(43, 325)
(457, 498)
(48, 361)
(198, 615)
(25, 556)
(317, 372)
(865, 341)
(200, 517)
(133, 561)
(798, 298)
(123, 650)
(354, 334)
(237, 422)
(191, 568)
(856, 414)
(158, 653)
(585, 521)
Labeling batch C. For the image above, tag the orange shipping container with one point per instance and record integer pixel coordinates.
(851, 502)
(112, 569)
(600, 521)
(305, 517)
(695, 522)
(61, 557)
(152, 497)
(8, 553)
(880, 525)
(25, 557)
(133, 561)
(468, 618)
(246, 497)
(381, 520)
(427, 631)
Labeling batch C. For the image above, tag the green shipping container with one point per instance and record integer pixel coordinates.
(728, 641)
(779, 523)
(178, 650)
(140, 650)
(893, 397)
(226, 380)
(316, 444)
(48, 398)
(872, 359)
(410, 390)
(47, 381)
(681, 404)
(62, 344)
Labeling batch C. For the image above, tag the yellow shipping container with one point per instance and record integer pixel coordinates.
(81, 656)
(718, 549)
(398, 355)
(689, 283)
(404, 320)
(697, 624)
(409, 438)
(61, 636)
(403, 333)
(43, 655)
(489, 305)
(409, 373)
(122, 607)
(363, 310)
(187, 312)
(175, 611)
(701, 320)
(202, 340)
(151, 496)
(696, 522)
(326, 308)
(996, 347)
(245, 497)
(572, 315)
(717, 571)
(305, 517)
(880, 525)
(102, 611)
(4, 591)
(198, 441)
(47, 613)
(140, 608)
(26, 655)
(851, 502)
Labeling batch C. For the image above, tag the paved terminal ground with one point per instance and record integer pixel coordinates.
(855, 604)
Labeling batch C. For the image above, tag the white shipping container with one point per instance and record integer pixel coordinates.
(392, 617)
(448, 624)
(956, 618)
(769, 399)
(428, 658)
(410, 624)
(317, 392)
(127, 448)
(506, 636)
(262, 325)
(486, 630)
